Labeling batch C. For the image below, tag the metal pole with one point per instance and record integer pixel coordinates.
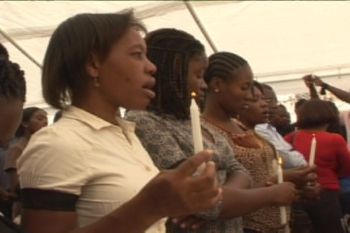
(200, 25)
(19, 48)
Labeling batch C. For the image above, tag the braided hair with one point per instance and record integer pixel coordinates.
(12, 82)
(222, 65)
(171, 50)
(3, 52)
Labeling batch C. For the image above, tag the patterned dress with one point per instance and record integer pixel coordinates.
(257, 156)
(169, 142)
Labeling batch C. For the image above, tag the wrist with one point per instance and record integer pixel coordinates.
(325, 86)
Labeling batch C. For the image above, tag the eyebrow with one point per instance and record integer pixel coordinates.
(138, 46)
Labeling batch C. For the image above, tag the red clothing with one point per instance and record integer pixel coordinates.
(332, 155)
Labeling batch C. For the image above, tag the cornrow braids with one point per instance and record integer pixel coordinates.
(12, 82)
(171, 50)
(3, 52)
(222, 65)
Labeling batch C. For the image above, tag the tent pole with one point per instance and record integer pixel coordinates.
(19, 48)
(200, 25)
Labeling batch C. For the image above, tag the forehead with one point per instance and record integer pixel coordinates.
(131, 38)
(243, 74)
(269, 93)
(198, 60)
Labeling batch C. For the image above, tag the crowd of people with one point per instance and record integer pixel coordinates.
(97, 170)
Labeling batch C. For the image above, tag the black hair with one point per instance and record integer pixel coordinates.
(3, 52)
(72, 46)
(315, 113)
(12, 82)
(27, 115)
(223, 65)
(171, 50)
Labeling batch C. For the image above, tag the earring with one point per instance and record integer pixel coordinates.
(216, 90)
(96, 82)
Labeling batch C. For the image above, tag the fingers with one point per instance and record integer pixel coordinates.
(207, 179)
(189, 166)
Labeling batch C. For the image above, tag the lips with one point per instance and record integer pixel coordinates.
(149, 93)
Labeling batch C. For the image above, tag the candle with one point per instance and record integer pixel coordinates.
(196, 129)
(312, 150)
(283, 209)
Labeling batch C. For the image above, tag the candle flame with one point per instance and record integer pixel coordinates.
(193, 94)
(280, 162)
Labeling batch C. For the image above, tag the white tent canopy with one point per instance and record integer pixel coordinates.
(281, 40)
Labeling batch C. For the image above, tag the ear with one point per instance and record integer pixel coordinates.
(217, 85)
(92, 66)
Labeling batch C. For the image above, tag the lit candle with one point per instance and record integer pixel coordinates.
(196, 129)
(312, 150)
(283, 209)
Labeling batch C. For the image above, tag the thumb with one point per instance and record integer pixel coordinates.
(309, 169)
(191, 164)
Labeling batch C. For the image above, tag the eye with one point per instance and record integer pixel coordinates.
(138, 54)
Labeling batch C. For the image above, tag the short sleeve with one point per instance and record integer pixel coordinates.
(157, 139)
(51, 162)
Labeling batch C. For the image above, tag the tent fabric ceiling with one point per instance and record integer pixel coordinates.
(281, 40)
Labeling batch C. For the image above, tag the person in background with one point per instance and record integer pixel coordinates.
(281, 120)
(291, 158)
(332, 159)
(88, 172)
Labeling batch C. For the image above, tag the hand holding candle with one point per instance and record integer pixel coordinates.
(312, 150)
(196, 129)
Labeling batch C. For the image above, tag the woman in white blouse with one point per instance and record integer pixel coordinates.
(87, 172)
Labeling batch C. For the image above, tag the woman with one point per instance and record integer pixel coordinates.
(332, 160)
(228, 96)
(88, 171)
(165, 131)
(256, 155)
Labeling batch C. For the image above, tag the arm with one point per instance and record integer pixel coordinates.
(238, 202)
(10, 166)
(171, 193)
(291, 158)
(343, 156)
(341, 94)
(309, 82)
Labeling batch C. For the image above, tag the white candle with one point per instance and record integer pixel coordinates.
(196, 129)
(283, 209)
(312, 150)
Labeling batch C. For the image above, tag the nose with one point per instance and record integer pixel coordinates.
(150, 67)
(203, 85)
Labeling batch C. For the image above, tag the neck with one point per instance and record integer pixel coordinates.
(247, 124)
(101, 109)
(214, 111)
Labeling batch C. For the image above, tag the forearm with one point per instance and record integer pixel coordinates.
(342, 95)
(135, 216)
(238, 202)
(313, 92)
